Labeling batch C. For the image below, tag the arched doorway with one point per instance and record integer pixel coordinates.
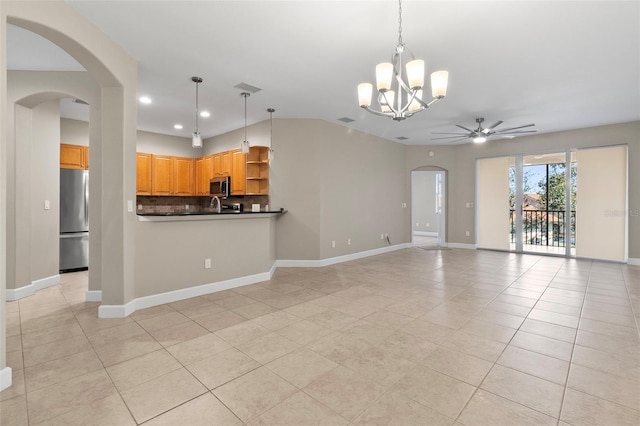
(112, 137)
(428, 207)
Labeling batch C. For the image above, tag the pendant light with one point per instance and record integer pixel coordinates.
(271, 151)
(196, 139)
(244, 146)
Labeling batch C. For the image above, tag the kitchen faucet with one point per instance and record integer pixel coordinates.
(215, 198)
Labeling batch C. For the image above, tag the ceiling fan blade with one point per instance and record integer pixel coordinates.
(490, 128)
(458, 140)
(514, 128)
(448, 133)
(450, 137)
(464, 128)
(519, 131)
(502, 136)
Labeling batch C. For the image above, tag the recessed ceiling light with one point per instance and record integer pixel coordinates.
(145, 100)
(205, 114)
(177, 126)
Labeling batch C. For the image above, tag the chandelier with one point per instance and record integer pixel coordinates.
(401, 99)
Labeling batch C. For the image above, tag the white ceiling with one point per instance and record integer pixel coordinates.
(558, 64)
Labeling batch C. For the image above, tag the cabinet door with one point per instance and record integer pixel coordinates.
(238, 172)
(226, 163)
(183, 176)
(199, 175)
(72, 156)
(143, 173)
(207, 174)
(217, 164)
(162, 175)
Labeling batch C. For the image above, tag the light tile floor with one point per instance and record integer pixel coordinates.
(412, 337)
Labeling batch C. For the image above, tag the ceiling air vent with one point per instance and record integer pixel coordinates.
(247, 88)
(402, 138)
(346, 120)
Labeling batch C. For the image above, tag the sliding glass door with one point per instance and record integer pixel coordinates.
(564, 203)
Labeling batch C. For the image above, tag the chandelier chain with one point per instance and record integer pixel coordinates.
(400, 42)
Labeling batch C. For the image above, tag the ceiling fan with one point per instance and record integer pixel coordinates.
(481, 134)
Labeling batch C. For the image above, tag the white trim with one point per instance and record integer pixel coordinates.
(339, 259)
(30, 289)
(93, 296)
(46, 282)
(5, 378)
(425, 234)
(121, 311)
(20, 292)
(634, 261)
(462, 246)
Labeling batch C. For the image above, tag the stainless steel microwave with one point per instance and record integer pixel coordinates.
(220, 186)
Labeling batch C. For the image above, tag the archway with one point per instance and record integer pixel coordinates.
(112, 140)
(429, 206)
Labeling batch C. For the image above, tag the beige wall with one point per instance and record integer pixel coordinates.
(76, 132)
(460, 161)
(3, 189)
(170, 255)
(45, 185)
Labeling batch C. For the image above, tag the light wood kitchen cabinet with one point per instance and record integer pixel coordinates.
(143, 173)
(183, 178)
(257, 171)
(222, 164)
(238, 172)
(172, 175)
(162, 175)
(203, 174)
(74, 156)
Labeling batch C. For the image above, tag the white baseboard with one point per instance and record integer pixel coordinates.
(462, 246)
(30, 289)
(20, 292)
(633, 261)
(425, 234)
(93, 296)
(339, 259)
(121, 311)
(46, 282)
(5, 378)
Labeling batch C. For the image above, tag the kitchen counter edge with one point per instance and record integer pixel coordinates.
(172, 217)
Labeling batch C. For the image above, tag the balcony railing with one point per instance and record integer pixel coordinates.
(543, 227)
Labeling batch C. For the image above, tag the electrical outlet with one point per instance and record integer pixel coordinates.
(207, 264)
(404, 205)
(427, 225)
(382, 236)
(417, 224)
(333, 244)
(186, 207)
(139, 206)
(348, 241)
(468, 234)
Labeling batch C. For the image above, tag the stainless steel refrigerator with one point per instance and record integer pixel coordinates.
(74, 220)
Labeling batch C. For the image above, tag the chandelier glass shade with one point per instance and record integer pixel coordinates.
(196, 139)
(400, 85)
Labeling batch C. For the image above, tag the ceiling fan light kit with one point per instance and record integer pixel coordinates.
(397, 98)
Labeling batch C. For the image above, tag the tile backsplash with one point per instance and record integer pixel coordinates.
(156, 204)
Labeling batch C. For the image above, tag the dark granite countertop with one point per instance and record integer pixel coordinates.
(226, 213)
